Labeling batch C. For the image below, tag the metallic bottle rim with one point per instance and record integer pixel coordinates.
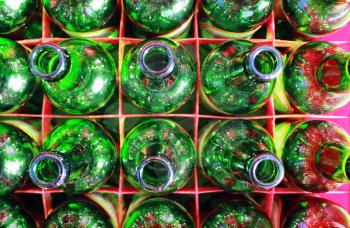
(279, 62)
(62, 61)
(170, 175)
(62, 170)
(254, 168)
(157, 73)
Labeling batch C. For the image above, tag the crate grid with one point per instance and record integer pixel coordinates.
(196, 41)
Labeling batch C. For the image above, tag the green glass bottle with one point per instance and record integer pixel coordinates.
(169, 19)
(17, 149)
(321, 166)
(158, 156)
(78, 75)
(239, 156)
(234, 18)
(77, 156)
(316, 78)
(315, 17)
(78, 213)
(158, 75)
(14, 14)
(316, 212)
(237, 213)
(17, 83)
(158, 212)
(239, 76)
(12, 215)
(80, 16)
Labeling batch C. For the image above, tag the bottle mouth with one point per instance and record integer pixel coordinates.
(156, 59)
(266, 63)
(48, 61)
(47, 170)
(155, 174)
(266, 171)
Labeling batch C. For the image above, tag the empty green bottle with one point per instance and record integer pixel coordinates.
(78, 75)
(239, 156)
(12, 215)
(316, 155)
(234, 18)
(237, 213)
(17, 149)
(158, 75)
(78, 213)
(158, 212)
(17, 83)
(80, 16)
(239, 76)
(170, 19)
(316, 78)
(16, 13)
(77, 156)
(316, 212)
(158, 156)
(317, 17)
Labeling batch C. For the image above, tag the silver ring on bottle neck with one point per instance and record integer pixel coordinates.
(253, 171)
(279, 61)
(157, 73)
(62, 170)
(62, 63)
(162, 160)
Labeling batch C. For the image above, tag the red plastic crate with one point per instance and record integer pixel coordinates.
(342, 117)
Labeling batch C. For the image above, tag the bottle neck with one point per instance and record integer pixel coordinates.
(156, 60)
(49, 62)
(333, 162)
(265, 62)
(155, 173)
(265, 170)
(64, 164)
(333, 73)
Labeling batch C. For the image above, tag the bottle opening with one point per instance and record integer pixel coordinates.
(47, 170)
(332, 160)
(48, 61)
(266, 171)
(266, 62)
(333, 73)
(157, 59)
(155, 174)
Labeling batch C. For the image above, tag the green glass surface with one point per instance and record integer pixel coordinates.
(79, 15)
(229, 84)
(315, 156)
(171, 82)
(228, 150)
(163, 139)
(157, 16)
(317, 212)
(238, 16)
(80, 81)
(33, 30)
(15, 13)
(237, 214)
(78, 214)
(87, 153)
(17, 83)
(16, 151)
(12, 215)
(158, 212)
(316, 78)
(317, 17)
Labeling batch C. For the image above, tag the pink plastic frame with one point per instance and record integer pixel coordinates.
(342, 117)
